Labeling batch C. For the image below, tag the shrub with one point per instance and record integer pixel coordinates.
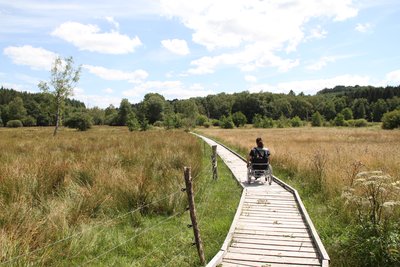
(239, 119)
(79, 121)
(1, 122)
(391, 120)
(132, 123)
(14, 124)
(339, 120)
(260, 121)
(226, 122)
(316, 119)
(358, 123)
(296, 122)
(201, 119)
(207, 124)
(158, 124)
(29, 121)
(215, 122)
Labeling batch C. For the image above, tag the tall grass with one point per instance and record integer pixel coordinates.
(51, 188)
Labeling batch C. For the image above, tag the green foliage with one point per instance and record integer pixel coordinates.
(296, 122)
(79, 121)
(207, 124)
(357, 123)
(379, 108)
(260, 121)
(124, 111)
(63, 79)
(316, 119)
(132, 122)
(347, 113)
(14, 124)
(152, 107)
(339, 120)
(215, 122)
(144, 124)
(391, 120)
(98, 115)
(239, 119)
(16, 109)
(29, 121)
(226, 122)
(201, 119)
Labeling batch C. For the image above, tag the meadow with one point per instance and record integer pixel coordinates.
(324, 165)
(107, 197)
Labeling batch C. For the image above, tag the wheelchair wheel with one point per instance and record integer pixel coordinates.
(268, 176)
(248, 175)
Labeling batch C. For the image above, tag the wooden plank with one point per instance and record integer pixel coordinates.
(271, 225)
(272, 237)
(272, 229)
(272, 216)
(272, 259)
(286, 243)
(270, 233)
(269, 221)
(273, 247)
(244, 263)
(278, 253)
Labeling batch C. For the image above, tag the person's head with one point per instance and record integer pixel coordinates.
(259, 142)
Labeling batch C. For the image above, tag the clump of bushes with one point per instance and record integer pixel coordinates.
(14, 124)
(357, 123)
(391, 120)
(79, 121)
(226, 122)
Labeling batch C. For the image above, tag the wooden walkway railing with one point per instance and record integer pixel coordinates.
(271, 226)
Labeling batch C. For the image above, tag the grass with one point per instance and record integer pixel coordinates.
(83, 187)
(319, 163)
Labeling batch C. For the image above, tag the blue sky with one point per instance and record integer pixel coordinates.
(185, 48)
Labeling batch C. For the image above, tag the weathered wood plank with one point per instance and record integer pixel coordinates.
(272, 237)
(272, 259)
(270, 233)
(269, 221)
(272, 229)
(273, 247)
(278, 253)
(285, 243)
(244, 263)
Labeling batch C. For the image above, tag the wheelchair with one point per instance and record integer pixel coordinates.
(259, 170)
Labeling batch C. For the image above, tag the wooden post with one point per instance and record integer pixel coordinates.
(189, 191)
(214, 162)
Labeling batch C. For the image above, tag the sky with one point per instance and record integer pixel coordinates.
(185, 48)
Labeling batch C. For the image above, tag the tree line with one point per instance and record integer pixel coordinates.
(336, 106)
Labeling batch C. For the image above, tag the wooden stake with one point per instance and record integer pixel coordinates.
(214, 162)
(189, 191)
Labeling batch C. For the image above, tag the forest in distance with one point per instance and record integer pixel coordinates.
(339, 106)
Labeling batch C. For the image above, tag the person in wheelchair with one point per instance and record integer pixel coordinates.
(258, 162)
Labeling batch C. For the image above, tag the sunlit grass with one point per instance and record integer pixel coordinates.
(80, 186)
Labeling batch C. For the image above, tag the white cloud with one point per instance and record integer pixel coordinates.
(250, 78)
(322, 62)
(113, 22)
(316, 33)
(88, 37)
(169, 89)
(92, 100)
(176, 46)
(36, 58)
(279, 23)
(250, 58)
(363, 27)
(108, 91)
(392, 78)
(312, 86)
(117, 75)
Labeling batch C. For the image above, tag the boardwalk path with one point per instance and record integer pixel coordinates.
(271, 226)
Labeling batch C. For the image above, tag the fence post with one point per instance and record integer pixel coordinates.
(214, 162)
(189, 191)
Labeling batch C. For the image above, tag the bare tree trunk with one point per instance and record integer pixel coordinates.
(57, 117)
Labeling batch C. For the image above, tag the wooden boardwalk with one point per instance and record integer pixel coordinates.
(271, 226)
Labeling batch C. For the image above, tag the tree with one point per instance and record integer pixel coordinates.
(124, 111)
(378, 109)
(226, 122)
(16, 109)
(391, 120)
(132, 122)
(347, 113)
(239, 119)
(339, 119)
(316, 119)
(64, 77)
(152, 107)
(79, 121)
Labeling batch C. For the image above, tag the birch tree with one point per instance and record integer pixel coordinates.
(63, 79)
